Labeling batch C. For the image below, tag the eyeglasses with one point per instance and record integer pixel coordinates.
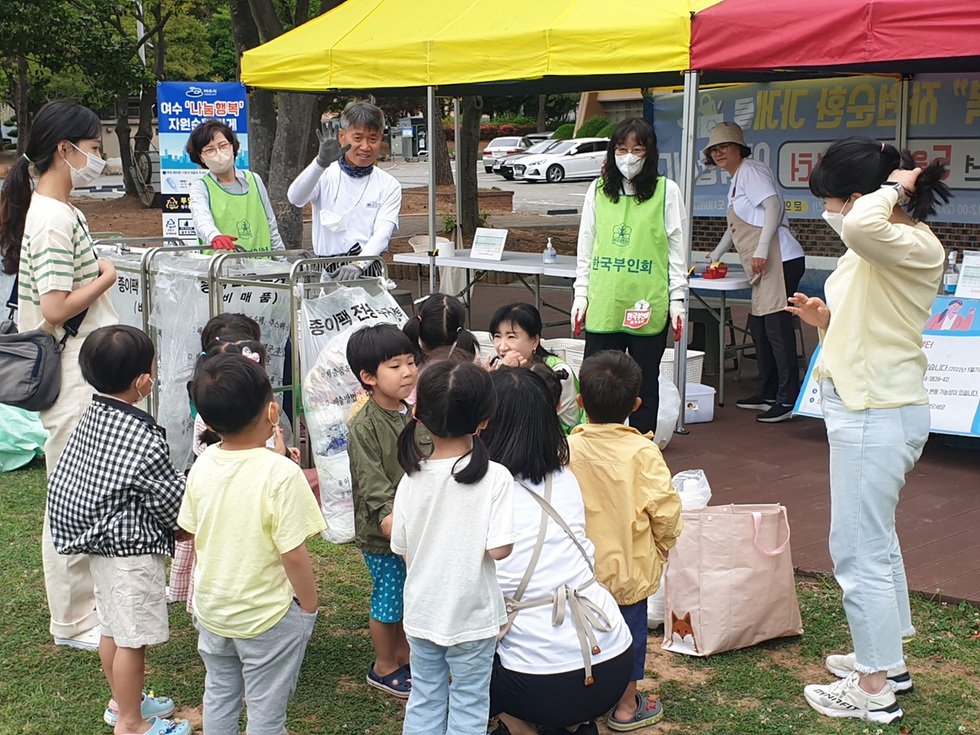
(720, 147)
(214, 149)
(638, 151)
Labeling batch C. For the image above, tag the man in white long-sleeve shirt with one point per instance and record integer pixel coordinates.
(355, 203)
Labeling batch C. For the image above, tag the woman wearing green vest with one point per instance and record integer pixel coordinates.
(631, 277)
(231, 208)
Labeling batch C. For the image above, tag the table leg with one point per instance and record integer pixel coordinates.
(537, 292)
(721, 352)
(418, 277)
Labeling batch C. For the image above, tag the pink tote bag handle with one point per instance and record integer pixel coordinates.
(757, 521)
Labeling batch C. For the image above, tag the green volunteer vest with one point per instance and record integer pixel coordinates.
(240, 215)
(629, 265)
(551, 361)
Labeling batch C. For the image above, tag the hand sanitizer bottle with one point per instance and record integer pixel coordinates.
(950, 278)
(550, 256)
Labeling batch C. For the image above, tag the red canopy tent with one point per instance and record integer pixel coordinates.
(870, 36)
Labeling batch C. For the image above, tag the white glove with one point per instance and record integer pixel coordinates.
(677, 315)
(348, 272)
(580, 305)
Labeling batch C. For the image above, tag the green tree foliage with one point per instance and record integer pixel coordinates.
(607, 131)
(558, 107)
(564, 132)
(591, 127)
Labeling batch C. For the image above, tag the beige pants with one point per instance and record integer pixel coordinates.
(67, 578)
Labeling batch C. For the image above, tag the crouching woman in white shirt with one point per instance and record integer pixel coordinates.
(566, 656)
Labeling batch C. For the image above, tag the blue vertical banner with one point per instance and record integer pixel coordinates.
(788, 126)
(181, 107)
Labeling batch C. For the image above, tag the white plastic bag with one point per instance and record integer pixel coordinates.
(330, 389)
(695, 493)
(668, 413)
(693, 487)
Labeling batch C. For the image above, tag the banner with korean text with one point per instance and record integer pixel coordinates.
(182, 106)
(788, 125)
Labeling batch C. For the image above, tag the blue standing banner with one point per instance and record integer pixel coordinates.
(182, 106)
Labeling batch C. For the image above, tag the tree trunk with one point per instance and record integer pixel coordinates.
(467, 150)
(542, 102)
(22, 88)
(144, 131)
(261, 102)
(439, 148)
(288, 157)
(122, 135)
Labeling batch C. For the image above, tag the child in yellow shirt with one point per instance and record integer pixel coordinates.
(632, 511)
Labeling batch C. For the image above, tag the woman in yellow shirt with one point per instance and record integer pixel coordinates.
(875, 406)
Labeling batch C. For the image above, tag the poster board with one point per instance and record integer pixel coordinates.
(951, 342)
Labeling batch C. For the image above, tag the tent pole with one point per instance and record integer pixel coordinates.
(432, 185)
(458, 234)
(902, 118)
(688, 156)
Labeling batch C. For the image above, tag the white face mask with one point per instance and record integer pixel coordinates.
(629, 165)
(88, 173)
(221, 162)
(835, 219)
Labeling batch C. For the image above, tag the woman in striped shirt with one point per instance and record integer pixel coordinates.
(45, 240)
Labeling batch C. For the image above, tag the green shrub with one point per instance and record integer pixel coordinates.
(564, 132)
(518, 121)
(591, 127)
(607, 131)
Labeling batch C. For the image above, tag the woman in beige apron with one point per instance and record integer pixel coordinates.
(774, 262)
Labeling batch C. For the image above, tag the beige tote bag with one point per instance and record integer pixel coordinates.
(729, 581)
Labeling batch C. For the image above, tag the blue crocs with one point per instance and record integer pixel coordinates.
(153, 706)
(159, 726)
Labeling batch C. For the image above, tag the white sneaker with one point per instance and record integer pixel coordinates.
(899, 678)
(844, 698)
(87, 641)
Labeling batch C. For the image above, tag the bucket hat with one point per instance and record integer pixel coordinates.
(724, 132)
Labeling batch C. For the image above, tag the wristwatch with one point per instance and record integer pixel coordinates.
(903, 195)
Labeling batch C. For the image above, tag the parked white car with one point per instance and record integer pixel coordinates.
(503, 147)
(578, 158)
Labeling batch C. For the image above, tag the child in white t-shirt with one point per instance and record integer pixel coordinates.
(453, 516)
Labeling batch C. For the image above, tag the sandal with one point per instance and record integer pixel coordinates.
(152, 706)
(159, 726)
(396, 683)
(649, 711)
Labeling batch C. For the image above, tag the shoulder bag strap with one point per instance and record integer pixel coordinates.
(12, 299)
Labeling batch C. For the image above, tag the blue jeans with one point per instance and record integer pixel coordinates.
(871, 452)
(470, 664)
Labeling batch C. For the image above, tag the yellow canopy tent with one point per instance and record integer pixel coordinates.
(489, 47)
(413, 44)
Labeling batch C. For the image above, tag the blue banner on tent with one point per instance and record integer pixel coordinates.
(788, 125)
(182, 106)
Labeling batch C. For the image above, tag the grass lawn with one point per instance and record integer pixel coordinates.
(54, 690)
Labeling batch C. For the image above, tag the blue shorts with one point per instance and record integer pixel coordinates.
(388, 590)
(636, 620)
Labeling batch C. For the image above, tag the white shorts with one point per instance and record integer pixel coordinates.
(131, 598)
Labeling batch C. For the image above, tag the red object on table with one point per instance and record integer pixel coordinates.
(716, 271)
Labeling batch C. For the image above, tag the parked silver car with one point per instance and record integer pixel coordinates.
(503, 147)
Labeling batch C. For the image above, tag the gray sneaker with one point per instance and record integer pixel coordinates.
(841, 665)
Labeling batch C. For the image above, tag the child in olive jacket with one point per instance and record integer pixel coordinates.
(383, 359)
